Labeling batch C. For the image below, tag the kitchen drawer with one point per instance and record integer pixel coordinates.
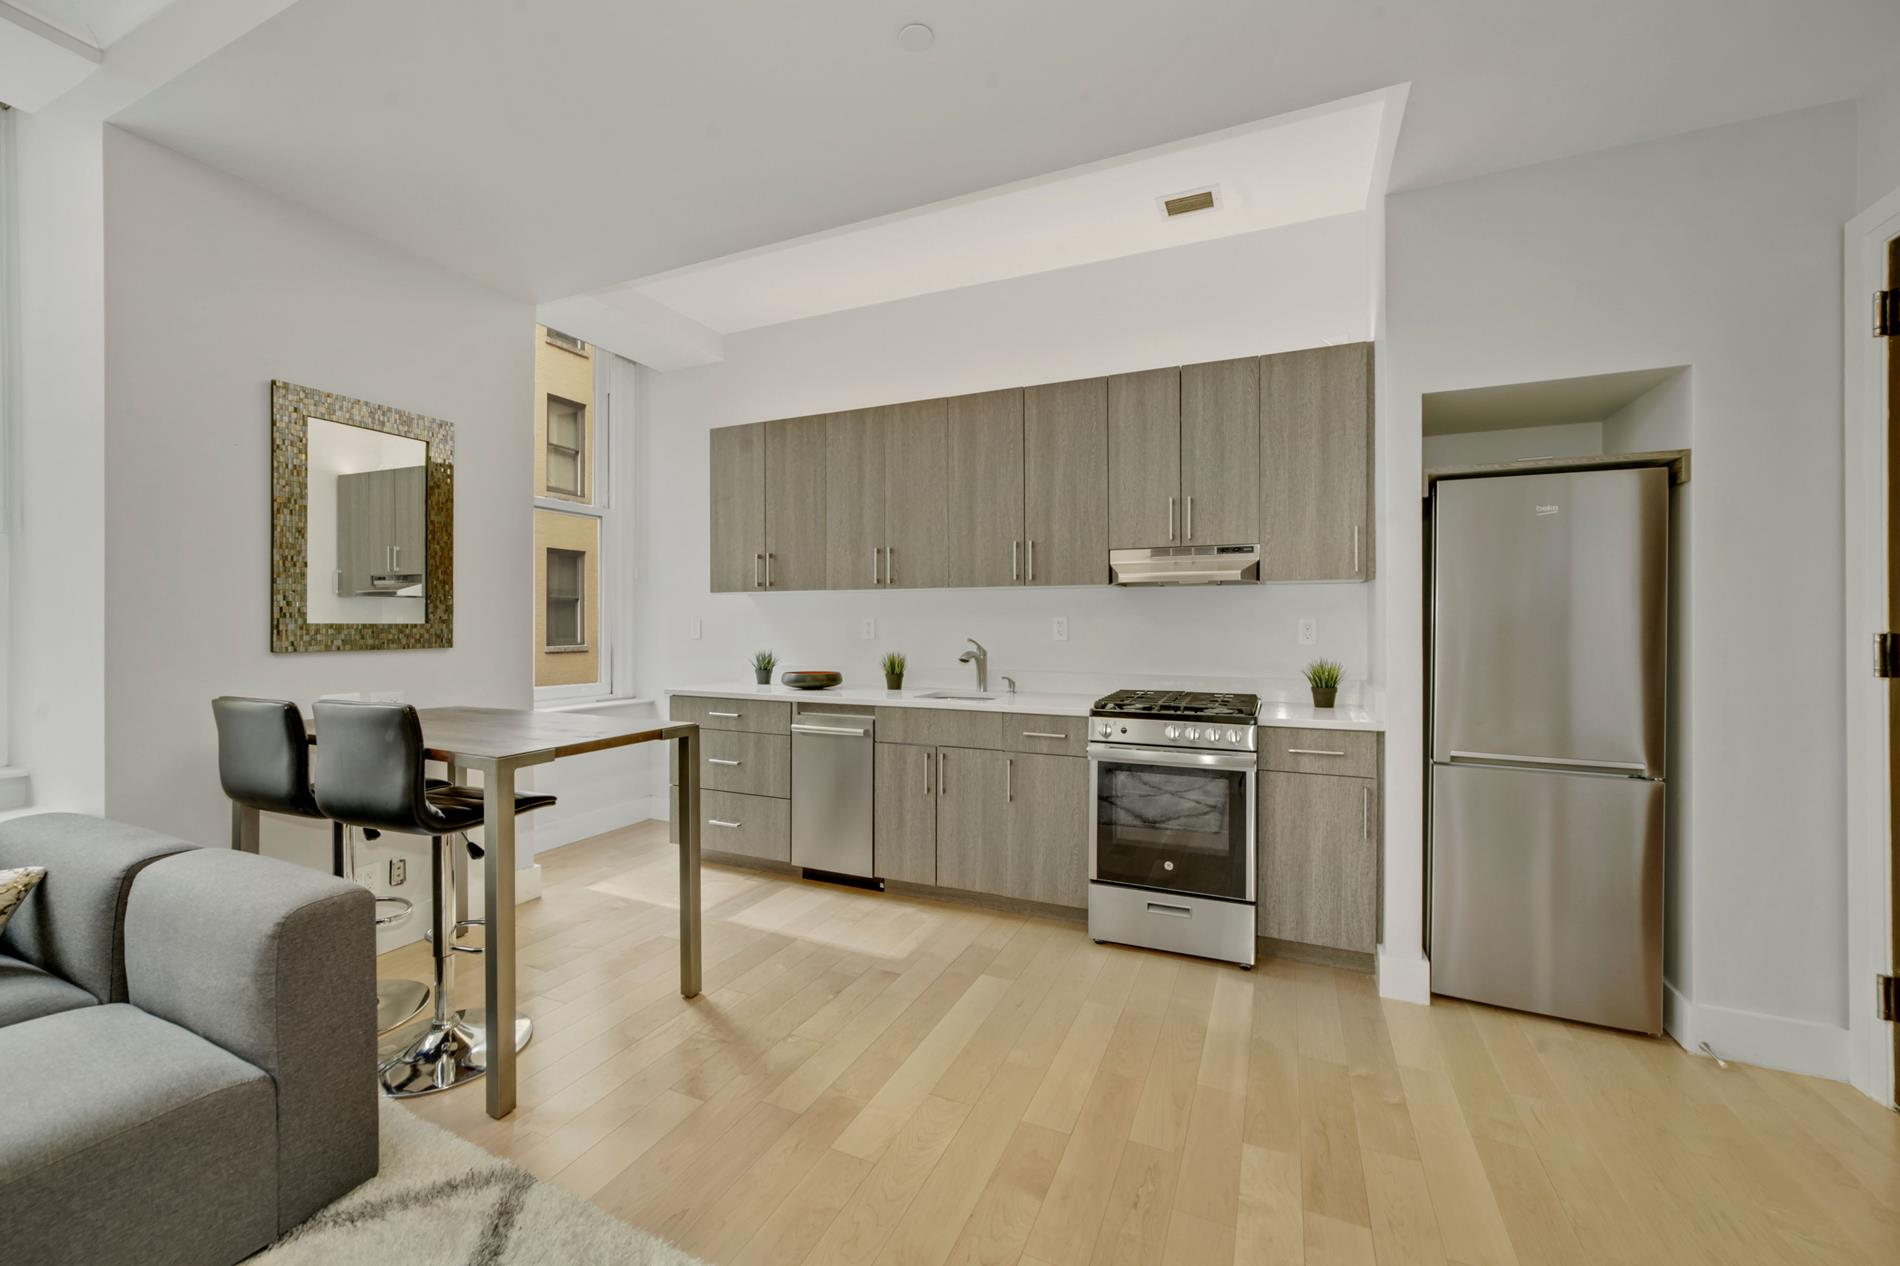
(940, 727)
(750, 826)
(1052, 736)
(757, 716)
(751, 764)
(1348, 753)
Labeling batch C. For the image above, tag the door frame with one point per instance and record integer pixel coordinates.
(1869, 803)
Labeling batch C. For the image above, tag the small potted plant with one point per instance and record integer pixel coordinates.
(763, 662)
(1323, 676)
(893, 670)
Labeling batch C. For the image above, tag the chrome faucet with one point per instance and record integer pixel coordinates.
(981, 658)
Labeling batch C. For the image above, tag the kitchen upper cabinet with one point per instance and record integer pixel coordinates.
(1316, 463)
(854, 518)
(1046, 857)
(984, 488)
(904, 821)
(972, 820)
(1220, 452)
(1144, 459)
(1065, 483)
(796, 503)
(1319, 860)
(916, 495)
(738, 507)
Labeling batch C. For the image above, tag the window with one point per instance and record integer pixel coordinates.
(567, 427)
(566, 596)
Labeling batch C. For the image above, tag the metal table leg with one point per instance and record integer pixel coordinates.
(688, 830)
(244, 827)
(498, 958)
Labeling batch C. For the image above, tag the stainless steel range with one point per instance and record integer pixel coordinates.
(1172, 836)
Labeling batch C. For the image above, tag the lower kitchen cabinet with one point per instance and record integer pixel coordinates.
(750, 826)
(972, 820)
(1047, 856)
(904, 824)
(1319, 860)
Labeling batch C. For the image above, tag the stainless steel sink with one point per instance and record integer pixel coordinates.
(956, 694)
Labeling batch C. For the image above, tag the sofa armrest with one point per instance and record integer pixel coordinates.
(277, 964)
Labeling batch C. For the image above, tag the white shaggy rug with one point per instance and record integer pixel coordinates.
(442, 1201)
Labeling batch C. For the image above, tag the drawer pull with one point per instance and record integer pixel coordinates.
(731, 716)
(1311, 751)
(715, 760)
(1173, 912)
(1043, 734)
(731, 826)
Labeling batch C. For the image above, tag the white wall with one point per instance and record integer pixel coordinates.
(1284, 288)
(214, 288)
(1518, 443)
(1878, 151)
(1719, 250)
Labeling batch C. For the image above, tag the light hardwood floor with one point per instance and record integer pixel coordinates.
(883, 1079)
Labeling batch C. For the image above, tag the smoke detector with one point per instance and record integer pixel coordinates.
(1189, 202)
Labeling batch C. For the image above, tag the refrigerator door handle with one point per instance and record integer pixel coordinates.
(1635, 769)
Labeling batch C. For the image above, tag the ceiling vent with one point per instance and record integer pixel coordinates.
(1190, 202)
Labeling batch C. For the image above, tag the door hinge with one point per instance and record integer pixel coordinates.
(1887, 654)
(1886, 313)
(1887, 997)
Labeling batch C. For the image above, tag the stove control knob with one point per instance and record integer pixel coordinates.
(1233, 736)
(1105, 729)
(1172, 732)
(1193, 734)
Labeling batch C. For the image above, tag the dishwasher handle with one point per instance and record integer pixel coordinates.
(829, 729)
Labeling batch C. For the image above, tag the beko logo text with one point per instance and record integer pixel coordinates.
(1548, 509)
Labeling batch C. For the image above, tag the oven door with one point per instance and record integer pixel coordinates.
(1173, 821)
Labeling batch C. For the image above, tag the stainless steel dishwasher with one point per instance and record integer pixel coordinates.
(832, 757)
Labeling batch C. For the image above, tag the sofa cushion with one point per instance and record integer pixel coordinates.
(74, 926)
(127, 1139)
(28, 992)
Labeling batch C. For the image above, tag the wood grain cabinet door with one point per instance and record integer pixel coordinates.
(1220, 452)
(796, 493)
(916, 489)
(984, 485)
(1065, 483)
(1144, 459)
(1048, 798)
(737, 473)
(854, 511)
(1319, 860)
(972, 821)
(904, 823)
(1316, 463)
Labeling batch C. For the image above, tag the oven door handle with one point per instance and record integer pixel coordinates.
(1102, 752)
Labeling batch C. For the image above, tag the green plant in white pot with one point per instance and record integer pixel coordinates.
(763, 662)
(1323, 676)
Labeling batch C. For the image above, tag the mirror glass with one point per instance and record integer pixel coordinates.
(367, 532)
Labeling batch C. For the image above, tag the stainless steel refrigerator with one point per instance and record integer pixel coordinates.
(1549, 649)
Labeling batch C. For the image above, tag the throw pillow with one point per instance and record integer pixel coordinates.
(14, 885)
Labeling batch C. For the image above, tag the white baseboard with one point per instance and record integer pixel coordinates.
(1405, 977)
(557, 828)
(527, 886)
(1771, 1041)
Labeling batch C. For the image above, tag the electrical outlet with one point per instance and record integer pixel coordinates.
(1059, 628)
(867, 629)
(398, 872)
(385, 696)
(1309, 632)
(695, 629)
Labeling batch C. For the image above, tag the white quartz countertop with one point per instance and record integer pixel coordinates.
(1272, 712)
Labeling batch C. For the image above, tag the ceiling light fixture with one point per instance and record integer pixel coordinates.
(915, 37)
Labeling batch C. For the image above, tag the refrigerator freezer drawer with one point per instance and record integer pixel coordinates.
(1547, 893)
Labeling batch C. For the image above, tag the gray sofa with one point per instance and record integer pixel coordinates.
(187, 1047)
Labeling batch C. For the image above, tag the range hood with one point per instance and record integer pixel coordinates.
(1186, 565)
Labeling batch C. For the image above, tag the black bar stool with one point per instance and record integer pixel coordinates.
(264, 762)
(370, 774)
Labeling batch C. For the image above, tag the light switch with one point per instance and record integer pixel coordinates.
(1309, 632)
(1059, 628)
(868, 629)
(694, 629)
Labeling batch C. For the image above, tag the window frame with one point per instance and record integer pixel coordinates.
(578, 598)
(549, 447)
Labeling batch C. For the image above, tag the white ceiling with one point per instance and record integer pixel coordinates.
(562, 146)
(1554, 402)
(1307, 166)
(97, 22)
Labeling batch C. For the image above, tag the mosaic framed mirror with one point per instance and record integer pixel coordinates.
(362, 525)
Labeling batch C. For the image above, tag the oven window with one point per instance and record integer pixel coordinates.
(1172, 828)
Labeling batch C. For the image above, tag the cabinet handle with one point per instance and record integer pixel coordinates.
(1311, 751)
(940, 779)
(1009, 779)
(927, 773)
(768, 571)
(730, 826)
(1190, 518)
(890, 557)
(336, 584)
(1173, 912)
(758, 571)
(875, 552)
(1015, 560)
(1355, 549)
(715, 760)
(1043, 734)
(395, 558)
(731, 716)
(1365, 813)
(1170, 518)
(1032, 563)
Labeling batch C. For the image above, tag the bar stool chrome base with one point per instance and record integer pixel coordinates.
(398, 1002)
(449, 1053)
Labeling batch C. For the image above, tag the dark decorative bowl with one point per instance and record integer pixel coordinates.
(811, 678)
